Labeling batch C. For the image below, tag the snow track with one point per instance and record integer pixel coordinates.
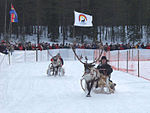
(25, 88)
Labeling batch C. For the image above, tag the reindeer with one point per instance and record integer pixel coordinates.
(90, 72)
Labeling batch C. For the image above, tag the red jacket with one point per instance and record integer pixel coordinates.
(21, 47)
(148, 47)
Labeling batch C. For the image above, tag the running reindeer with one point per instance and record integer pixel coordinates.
(91, 74)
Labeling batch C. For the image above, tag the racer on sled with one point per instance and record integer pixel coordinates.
(57, 62)
(106, 70)
(55, 68)
(58, 59)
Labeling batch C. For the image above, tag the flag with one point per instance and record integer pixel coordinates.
(82, 20)
(13, 15)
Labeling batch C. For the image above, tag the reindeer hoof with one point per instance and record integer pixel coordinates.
(88, 95)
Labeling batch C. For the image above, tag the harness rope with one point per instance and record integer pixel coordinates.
(82, 85)
(50, 54)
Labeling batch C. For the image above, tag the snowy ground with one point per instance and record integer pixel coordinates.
(25, 88)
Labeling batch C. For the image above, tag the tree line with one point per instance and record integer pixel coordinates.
(108, 16)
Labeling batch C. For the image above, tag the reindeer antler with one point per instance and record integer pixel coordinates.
(86, 58)
(100, 54)
(73, 48)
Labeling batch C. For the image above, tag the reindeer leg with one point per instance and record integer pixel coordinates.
(53, 71)
(96, 84)
(56, 71)
(90, 85)
(88, 88)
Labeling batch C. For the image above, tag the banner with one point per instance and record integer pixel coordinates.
(82, 19)
(13, 15)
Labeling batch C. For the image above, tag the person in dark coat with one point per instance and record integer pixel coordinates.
(104, 67)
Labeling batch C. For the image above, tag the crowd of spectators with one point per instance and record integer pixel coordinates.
(7, 46)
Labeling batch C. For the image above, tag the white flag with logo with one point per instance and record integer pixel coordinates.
(82, 19)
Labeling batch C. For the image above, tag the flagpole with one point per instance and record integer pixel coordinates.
(73, 31)
(10, 29)
(10, 24)
(5, 19)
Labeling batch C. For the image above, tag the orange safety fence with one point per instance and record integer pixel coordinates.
(134, 61)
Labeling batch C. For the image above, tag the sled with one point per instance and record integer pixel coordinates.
(104, 86)
(54, 71)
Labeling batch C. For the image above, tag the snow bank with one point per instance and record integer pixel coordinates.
(4, 61)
